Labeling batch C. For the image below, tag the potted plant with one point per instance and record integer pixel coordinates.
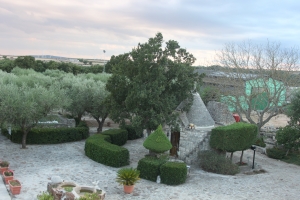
(8, 175)
(128, 177)
(4, 166)
(15, 186)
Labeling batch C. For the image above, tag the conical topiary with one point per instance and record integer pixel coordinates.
(157, 141)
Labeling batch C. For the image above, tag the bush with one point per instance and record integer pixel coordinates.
(235, 137)
(45, 196)
(260, 142)
(118, 136)
(289, 137)
(276, 153)
(48, 135)
(149, 167)
(133, 133)
(173, 173)
(213, 162)
(99, 148)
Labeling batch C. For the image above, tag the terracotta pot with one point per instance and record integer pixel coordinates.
(128, 189)
(7, 178)
(14, 189)
(2, 169)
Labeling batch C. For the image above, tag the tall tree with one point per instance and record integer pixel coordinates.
(293, 110)
(264, 89)
(25, 62)
(149, 82)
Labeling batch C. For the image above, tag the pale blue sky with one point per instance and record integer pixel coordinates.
(84, 29)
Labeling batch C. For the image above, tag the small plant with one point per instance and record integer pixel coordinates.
(128, 176)
(68, 189)
(4, 164)
(15, 183)
(45, 196)
(213, 162)
(90, 196)
(8, 173)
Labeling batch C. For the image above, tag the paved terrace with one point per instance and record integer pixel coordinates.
(36, 165)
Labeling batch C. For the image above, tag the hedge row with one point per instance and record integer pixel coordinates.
(118, 136)
(102, 148)
(48, 135)
(133, 133)
(171, 173)
(235, 137)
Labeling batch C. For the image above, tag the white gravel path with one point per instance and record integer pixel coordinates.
(37, 164)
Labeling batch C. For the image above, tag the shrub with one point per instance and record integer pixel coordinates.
(90, 196)
(48, 135)
(118, 136)
(213, 162)
(133, 133)
(157, 141)
(235, 137)
(276, 153)
(45, 196)
(260, 142)
(289, 137)
(173, 173)
(149, 167)
(99, 148)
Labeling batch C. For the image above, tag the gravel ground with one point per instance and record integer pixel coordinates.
(35, 166)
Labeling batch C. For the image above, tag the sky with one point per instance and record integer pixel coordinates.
(83, 29)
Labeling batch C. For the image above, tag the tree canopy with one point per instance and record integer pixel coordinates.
(149, 82)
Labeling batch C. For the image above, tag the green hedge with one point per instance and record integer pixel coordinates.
(118, 136)
(149, 168)
(235, 137)
(173, 173)
(276, 153)
(99, 148)
(48, 135)
(133, 133)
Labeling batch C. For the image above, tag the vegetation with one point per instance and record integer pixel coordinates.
(149, 167)
(133, 133)
(293, 110)
(289, 137)
(4, 164)
(90, 196)
(127, 176)
(173, 173)
(157, 142)
(148, 83)
(213, 162)
(45, 196)
(276, 153)
(273, 68)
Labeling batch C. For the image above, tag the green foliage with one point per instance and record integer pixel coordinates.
(148, 83)
(6, 65)
(45, 196)
(209, 93)
(276, 153)
(149, 167)
(133, 133)
(213, 162)
(99, 148)
(235, 137)
(173, 173)
(293, 110)
(49, 135)
(289, 137)
(25, 62)
(4, 164)
(90, 196)
(260, 142)
(157, 141)
(127, 176)
(118, 136)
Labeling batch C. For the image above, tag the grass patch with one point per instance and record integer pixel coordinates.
(293, 158)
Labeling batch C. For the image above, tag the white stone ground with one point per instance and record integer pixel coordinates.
(34, 167)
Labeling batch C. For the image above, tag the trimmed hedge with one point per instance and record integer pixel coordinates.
(133, 133)
(235, 137)
(276, 153)
(48, 135)
(101, 149)
(157, 141)
(173, 173)
(118, 136)
(149, 167)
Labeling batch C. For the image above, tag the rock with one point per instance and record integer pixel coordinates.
(56, 180)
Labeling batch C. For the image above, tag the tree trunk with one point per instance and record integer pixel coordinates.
(231, 155)
(241, 158)
(100, 123)
(24, 139)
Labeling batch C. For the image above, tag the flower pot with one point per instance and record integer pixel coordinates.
(2, 169)
(128, 189)
(15, 186)
(6, 177)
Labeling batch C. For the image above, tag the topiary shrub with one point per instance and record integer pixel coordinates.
(149, 167)
(157, 141)
(276, 153)
(133, 133)
(211, 161)
(173, 173)
(99, 148)
(118, 136)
